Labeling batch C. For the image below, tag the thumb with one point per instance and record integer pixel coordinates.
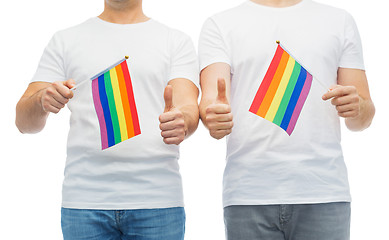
(221, 91)
(168, 96)
(67, 92)
(69, 83)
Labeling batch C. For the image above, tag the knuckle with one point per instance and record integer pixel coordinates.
(50, 91)
(181, 123)
(56, 84)
(209, 109)
(160, 118)
(212, 126)
(181, 133)
(179, 114)
(209, 118)
(352, 89)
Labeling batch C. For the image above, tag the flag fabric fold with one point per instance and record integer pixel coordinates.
(283, 91)
(115, 106)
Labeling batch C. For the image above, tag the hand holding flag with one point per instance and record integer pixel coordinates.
(172, 121)
(345, 99)
(218, 114)
(56, 96)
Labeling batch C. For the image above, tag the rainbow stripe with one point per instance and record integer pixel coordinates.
(283, 91)
(114, 102)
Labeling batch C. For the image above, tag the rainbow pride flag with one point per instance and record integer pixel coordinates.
(114, 102)
(283, 91)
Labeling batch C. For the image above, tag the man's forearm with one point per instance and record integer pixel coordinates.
(30, 116)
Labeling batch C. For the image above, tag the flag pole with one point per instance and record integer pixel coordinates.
(317, 80)
(99, 74)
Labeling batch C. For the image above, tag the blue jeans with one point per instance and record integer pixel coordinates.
(325, 221)
(139, 224)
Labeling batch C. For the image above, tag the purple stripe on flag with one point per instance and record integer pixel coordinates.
(100, 113)
(300, 103)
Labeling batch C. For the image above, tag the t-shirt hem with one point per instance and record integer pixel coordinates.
(205, 64)
(45, 79)
(193, 79)
(288, 201)
(353, 66)
(121, 206)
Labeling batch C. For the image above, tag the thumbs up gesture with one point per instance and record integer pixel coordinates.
(172, 122)
(218, 114)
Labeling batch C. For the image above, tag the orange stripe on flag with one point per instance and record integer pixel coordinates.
(126, 105)
(273, 86)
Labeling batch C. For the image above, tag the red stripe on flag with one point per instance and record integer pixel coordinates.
(266, 80)
(131, 98)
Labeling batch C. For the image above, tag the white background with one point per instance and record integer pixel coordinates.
(31, 166)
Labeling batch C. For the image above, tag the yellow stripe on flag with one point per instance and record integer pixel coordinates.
(118, 104)
(271, 113)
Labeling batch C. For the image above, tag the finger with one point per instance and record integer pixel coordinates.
(221, 91)
(70, 83)
(339, 91)
(60, 99)
(180, 132)
(218, 109)
(344, 100)
(226, 117)
(178, 123)
(219, 117)
(219, 134)
(331, 93)
(168, 96)
(173, 140)
(51, 105)
(51, 109)
(346, 108)
(221, 125)
(348, 114)
(170, 116)
(63, 89)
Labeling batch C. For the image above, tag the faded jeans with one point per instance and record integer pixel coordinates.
(324, 221)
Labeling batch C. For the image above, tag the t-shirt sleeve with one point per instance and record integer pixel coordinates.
(50, 67)
(184, 62)
(212, 47)
(352, 55)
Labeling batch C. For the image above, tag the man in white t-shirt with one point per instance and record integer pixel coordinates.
(283, 182)
(122, 177)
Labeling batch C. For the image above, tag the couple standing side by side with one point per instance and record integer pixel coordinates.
(285, 176)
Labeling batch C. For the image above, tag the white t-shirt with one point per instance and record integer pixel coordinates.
(143, 171)
(264, 164)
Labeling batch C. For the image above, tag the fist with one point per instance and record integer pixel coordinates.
(172, 122)
(345, 99)
(56, 96)
(218, 118)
